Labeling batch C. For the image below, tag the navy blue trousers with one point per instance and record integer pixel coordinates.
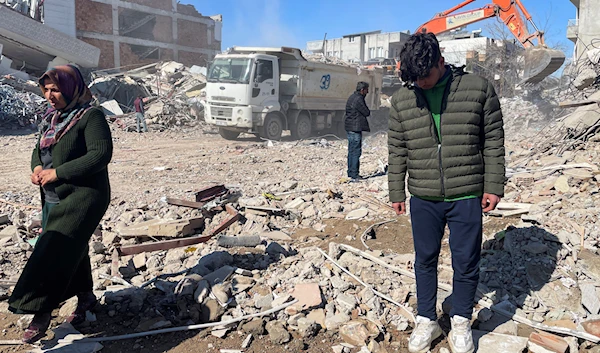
(429, 219)
(354, 152)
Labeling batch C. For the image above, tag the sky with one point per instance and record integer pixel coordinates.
(293, 23)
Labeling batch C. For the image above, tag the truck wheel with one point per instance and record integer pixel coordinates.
(302, 129)
(228, 134)
(340, 131)
(272, 128)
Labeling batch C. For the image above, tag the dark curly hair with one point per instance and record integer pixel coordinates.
(419, 55)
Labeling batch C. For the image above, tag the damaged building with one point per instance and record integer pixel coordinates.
(35, 35)
(138, 32)
(360, 47)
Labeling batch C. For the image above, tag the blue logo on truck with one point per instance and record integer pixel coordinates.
(325, 81)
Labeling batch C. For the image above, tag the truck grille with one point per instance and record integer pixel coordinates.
(221, 112)
(222, 98)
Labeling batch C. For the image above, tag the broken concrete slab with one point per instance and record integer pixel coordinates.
(355, 333)
(562, 184)
(357, 214)
(499, 324)
(67, 332)
(9, 231)
(220, 275)
(585, 78)
(498, 343)
(255, 327)
(139, 261)
(590, 263)
(308, 295)
(295, 203)
(536, 348)
(318, 316)
(277, 332)
(589, 298)
(276, 235)
(346, 300)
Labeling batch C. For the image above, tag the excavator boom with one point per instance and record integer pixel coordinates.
(540, 61)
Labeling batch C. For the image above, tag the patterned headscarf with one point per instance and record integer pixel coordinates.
(70, 82)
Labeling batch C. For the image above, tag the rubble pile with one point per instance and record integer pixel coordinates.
(267, 241)
(19, 109)
(586, 71)
(330, 60)
(173, 92)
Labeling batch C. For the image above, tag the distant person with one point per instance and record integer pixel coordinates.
(355, 123)
(446, 132)
(69, 164)
(139, 114)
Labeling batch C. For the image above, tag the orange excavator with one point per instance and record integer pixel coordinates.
(540, 61)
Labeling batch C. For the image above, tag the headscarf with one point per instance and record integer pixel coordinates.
(77, 95)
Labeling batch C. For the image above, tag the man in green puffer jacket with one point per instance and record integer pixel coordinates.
(446, 132)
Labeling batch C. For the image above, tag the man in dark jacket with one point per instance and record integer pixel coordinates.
(355, 123)
(446, 132)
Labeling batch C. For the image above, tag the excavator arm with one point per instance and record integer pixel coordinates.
(540, 61)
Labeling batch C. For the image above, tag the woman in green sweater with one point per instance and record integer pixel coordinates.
(69, 163)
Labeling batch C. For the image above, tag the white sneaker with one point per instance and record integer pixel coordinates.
(460, 337)
(422, 336)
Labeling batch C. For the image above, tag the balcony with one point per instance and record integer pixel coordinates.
(576, 3)
(573, 30)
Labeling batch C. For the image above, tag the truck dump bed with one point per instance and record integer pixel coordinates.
(315, 85)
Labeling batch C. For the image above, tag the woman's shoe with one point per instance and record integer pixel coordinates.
(37, 329)
(85, 302)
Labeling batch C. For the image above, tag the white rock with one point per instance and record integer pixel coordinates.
(357, 214)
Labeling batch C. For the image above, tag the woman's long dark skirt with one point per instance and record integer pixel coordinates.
(58, 269)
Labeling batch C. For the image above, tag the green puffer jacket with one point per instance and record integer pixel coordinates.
(469, 159)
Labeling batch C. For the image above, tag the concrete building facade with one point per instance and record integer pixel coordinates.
(32, 44)
(462, 47)
(133, 32)
(584, 29)
(361, 46)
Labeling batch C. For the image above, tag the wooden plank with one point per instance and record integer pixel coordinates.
(162, 245)
(569, 104)
(185, 203)
(162, 228)
(210, 193)
(226, 223)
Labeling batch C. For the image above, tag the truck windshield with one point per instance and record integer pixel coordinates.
(230, 70)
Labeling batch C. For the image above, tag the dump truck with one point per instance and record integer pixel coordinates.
(265, 91)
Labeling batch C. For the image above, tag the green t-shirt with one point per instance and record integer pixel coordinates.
(435, 96)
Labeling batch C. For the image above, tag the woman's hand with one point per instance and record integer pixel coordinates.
(35, 176)
(48, 176)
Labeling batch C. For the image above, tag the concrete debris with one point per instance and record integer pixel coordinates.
(494, 342)
(67, 331)
(172, 91)
(20, 109)
(548, 341)
(171, 270)
(592, 326)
